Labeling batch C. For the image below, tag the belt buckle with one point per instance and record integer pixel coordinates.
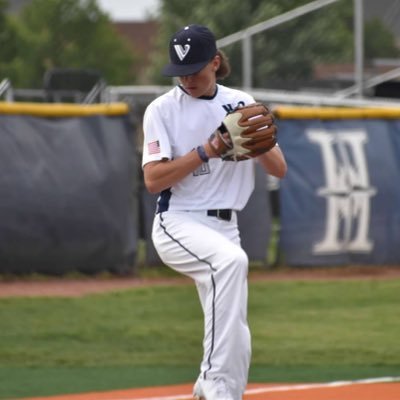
(225, 215)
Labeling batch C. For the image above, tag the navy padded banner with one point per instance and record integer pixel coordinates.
(340, 201)
(68, 198)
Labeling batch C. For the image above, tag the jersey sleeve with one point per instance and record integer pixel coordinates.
(156, 144)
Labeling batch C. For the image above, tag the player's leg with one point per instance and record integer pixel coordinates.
(230, 346)
(193, 246)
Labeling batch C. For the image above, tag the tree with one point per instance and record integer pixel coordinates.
(8, 42)
(68, 34)
(285, 54)
(380, 42)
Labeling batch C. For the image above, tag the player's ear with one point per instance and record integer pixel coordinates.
(216, 62)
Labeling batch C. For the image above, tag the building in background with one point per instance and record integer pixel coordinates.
(141, 37)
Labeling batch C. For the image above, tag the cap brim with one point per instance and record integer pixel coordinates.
(183, 70)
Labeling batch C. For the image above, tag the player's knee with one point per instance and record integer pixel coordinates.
(241, 257)
(243, 262)
(237, 261)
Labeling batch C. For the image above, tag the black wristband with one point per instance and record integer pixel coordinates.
(202, 153)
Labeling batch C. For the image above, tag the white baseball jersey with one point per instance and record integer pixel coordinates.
(175, 124)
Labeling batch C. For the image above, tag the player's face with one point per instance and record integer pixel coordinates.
(203, 82)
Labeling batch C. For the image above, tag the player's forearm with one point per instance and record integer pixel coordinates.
(160, 175)
(274, 162)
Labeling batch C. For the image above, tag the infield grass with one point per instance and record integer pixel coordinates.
(301, 330)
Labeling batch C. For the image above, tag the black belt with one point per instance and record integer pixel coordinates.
(225, 214)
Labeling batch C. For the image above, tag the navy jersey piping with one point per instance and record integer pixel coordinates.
(201, 97)
(163, 200)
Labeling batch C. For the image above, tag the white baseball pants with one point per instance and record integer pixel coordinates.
(208, 250)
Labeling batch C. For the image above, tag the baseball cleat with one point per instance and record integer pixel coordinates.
(215, 389)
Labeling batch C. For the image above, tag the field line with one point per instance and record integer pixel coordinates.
(308, 386)
(287, 388)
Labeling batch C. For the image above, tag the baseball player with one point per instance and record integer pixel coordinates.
(190, 159)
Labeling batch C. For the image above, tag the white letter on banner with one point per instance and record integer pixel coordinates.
(347, 191)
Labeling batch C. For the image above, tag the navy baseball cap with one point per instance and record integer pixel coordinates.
(190, 50)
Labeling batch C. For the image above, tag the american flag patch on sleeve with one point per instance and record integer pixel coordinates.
(153, 147)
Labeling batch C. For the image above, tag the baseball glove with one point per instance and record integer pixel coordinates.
(245, 132)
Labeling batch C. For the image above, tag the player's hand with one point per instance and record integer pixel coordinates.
(246, 132)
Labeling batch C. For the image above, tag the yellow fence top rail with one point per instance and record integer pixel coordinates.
(63, 109)
(284, 112)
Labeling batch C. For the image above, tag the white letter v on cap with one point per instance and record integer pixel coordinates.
(182, 51)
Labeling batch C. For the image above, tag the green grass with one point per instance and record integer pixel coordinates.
(302, 331)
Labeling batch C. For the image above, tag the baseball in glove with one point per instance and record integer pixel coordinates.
(246, 132)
